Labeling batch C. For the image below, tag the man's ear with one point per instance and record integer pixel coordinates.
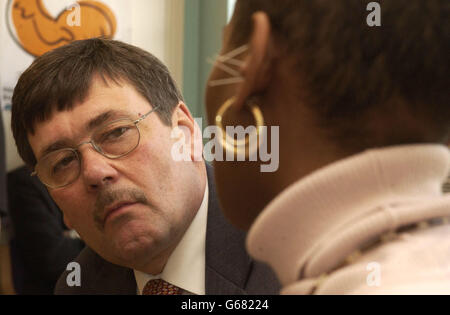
(256, 70)
(183, 120)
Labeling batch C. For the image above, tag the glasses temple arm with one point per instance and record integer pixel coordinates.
(146, 115)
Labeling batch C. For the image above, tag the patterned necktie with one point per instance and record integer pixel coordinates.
(160, 287)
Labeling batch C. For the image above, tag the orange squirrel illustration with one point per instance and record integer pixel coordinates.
(39, 32)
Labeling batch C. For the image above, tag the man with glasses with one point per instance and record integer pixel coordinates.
(95, 121)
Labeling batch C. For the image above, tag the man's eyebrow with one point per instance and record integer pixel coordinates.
(58, 145)
(91, 125)
(104, 117)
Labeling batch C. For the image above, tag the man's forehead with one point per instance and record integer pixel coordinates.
(101, 98)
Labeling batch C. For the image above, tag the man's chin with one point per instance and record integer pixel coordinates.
(129, 253)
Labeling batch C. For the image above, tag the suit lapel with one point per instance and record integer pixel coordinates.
(107, 278)
(123, 283)
(227, 263)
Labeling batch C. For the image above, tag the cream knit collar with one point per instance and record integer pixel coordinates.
(325, 216)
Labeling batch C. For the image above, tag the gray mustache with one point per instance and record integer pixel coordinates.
(109, 196)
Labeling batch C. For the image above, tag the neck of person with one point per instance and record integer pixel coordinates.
(156, 265)
(304, 148)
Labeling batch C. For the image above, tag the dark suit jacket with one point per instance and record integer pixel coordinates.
(39, 249)
(229, 270)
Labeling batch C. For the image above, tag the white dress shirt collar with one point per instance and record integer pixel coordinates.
(186, 266)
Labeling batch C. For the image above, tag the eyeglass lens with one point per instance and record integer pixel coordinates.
(114, 140)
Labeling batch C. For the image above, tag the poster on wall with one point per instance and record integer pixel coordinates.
(33, 27)
(30, 28)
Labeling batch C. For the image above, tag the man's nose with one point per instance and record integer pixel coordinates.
(96, 169)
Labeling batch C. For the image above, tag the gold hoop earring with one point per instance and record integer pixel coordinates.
(239, 146)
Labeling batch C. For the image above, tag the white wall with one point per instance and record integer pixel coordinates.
(157, 26)
(231, 4)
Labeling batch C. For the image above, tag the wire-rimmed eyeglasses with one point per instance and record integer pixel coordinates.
(114, 140)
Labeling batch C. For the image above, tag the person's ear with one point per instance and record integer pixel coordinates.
(183, 122)
(256, 70)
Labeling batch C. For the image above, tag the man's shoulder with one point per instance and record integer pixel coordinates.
(91, 274)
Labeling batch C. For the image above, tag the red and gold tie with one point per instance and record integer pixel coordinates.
(160, 287)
